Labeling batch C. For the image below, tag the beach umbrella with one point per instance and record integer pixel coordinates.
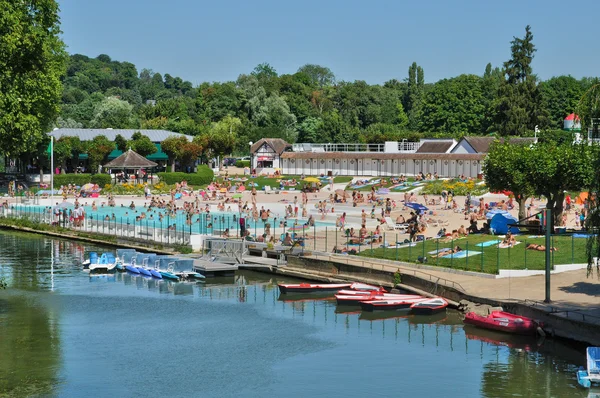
(87, 187)
(236, 195)
(342, 193)
(416, 206)
(311, 179)
(64, 205)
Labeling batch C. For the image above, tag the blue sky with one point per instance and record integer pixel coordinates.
(373, 40)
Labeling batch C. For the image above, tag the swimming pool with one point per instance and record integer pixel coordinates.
(202, 223)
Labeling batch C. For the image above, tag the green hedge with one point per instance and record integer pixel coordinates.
(81, 179)
(242, 163)
(203, 176)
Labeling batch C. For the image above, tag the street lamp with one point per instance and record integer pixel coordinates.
(251, 157)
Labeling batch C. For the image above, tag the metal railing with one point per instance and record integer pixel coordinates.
(145, 230)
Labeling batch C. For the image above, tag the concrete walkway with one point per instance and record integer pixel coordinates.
(573, 294)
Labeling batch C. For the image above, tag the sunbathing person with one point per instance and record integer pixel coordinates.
(445, 252)
(462, 231)
(453, 235)
(509, 240)
(540, 248)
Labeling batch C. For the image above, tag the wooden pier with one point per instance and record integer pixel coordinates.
(213, 268)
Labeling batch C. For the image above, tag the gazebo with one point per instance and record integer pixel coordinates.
(130, 160)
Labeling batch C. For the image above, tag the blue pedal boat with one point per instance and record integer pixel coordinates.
(586, 378)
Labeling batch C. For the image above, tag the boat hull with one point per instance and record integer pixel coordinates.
(156, 274)
(306, 288)
(169, 275)
(357, 299)
(144, 271)
(583, 378)
(503, 322)
(133, 269)
(388, 305)
(429, 307)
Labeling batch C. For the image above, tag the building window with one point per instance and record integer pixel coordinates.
(337, 161)
(446, 162)
(307, 161)
(292, 161)
(322, 161)
(352, 161)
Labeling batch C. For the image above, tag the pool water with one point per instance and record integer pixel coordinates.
(200, 222)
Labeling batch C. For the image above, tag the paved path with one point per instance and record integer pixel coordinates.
(573, 290)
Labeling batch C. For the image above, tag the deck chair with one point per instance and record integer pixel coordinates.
(393, 226)
(267, 189)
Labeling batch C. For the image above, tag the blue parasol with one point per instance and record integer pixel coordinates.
(416, 206)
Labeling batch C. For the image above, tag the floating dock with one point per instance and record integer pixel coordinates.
(213, 268)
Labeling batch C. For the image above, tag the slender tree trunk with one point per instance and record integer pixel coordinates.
(173, 166)
(557, 210)
(522, 206)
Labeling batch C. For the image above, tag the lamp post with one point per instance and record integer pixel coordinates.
(251, 157)
(52, 173)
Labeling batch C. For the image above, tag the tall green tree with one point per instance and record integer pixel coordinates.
(113, 113)
(32, 61)
(173, 146)
(414, 95)
(508, 167)
(98, 150)
(66, 148)
(560, 95)
(519, 105)
(141, 144)
(121, 143)
(320, 76)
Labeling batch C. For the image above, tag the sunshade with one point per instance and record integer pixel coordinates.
(311, 179)
(64, 205)
(416, 206)
(342, 193)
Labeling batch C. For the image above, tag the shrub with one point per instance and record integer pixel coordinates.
(458, 187)
(81, 179)
(242, 163)
(100, 179)
(203, 177)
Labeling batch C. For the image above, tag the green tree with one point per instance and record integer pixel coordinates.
(560, 96)
(65, 148)
(173, 146)
(141, 144)
(490, 84)
(222, 136)
(519, 105)
(561, 168)
(454, 106)
(113, 113)
(121, 143)
(98, 150)
(508, 167)
(414, 95)
(320, 76)
(32, 61)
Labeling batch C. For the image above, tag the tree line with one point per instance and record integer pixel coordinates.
(311, 105)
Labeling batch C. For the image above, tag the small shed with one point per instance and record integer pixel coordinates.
(572, 123)
(128, 161)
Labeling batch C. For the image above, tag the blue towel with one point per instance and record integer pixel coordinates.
(462, 254)
(583, 235)
(488, 243)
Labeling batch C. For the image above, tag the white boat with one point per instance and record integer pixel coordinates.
(365, 287)
(586, 378)
(105, 263)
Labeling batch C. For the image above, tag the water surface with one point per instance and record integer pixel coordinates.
(64, 333)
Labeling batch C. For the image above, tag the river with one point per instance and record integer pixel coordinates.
(68, 334)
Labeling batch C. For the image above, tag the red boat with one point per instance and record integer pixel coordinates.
(503, 321)
(390, 304)
(312, 288)
(428, 307)
(355, 299)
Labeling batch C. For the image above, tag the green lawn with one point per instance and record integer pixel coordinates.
(570, 250)
(386, 185)
(274, 182)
